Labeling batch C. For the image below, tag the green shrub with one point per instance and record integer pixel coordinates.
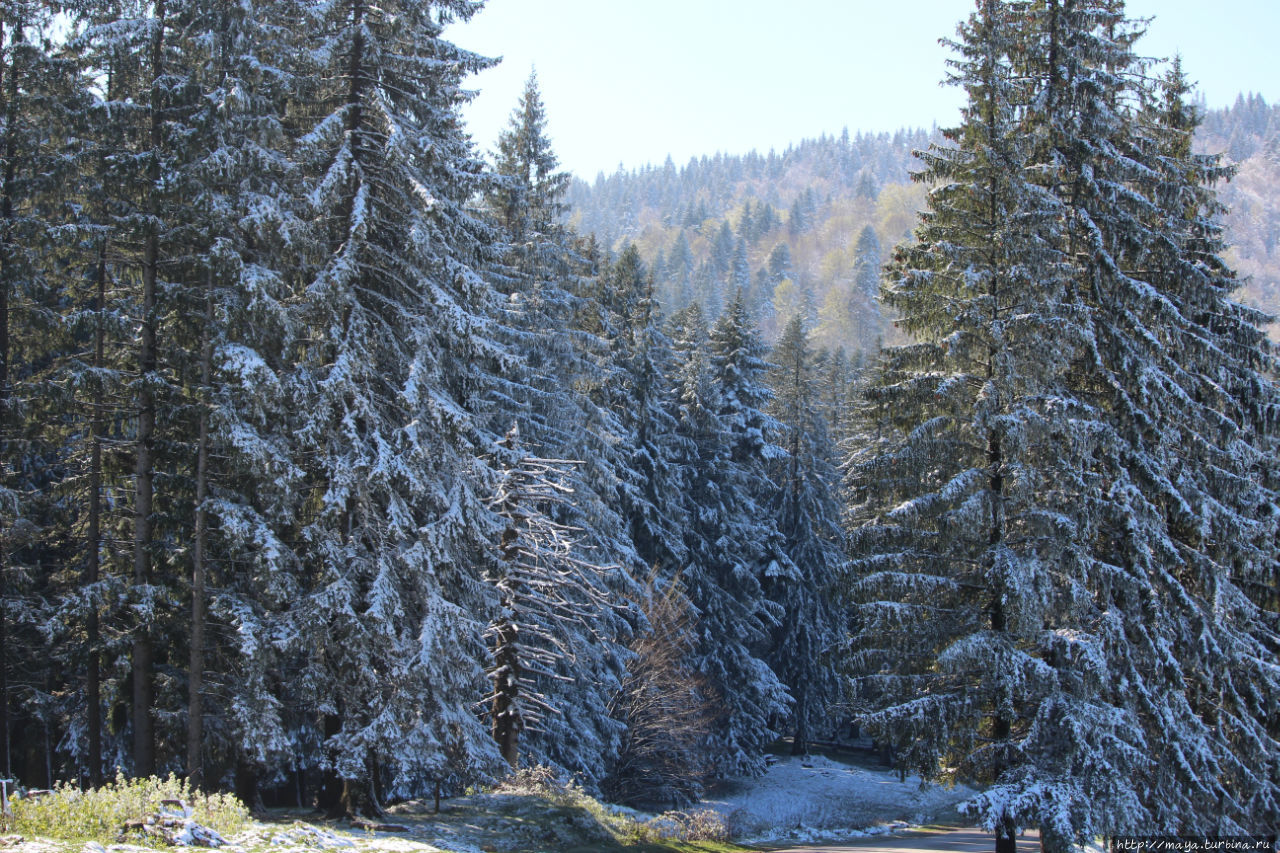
(703, 825)
(71, 814)
(686, 826)
(700, 825)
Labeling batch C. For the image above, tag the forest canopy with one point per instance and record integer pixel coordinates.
(342, 465)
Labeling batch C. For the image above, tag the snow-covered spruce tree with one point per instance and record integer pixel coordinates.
(553, 605)
(870, 324)
(194, 211)
(42, 423)
(976, 651)
(839, 388)
(528, 200)
(677, 285)
(1144, 709)
(806, 507)
(141, 53)
(545, 388)
(732, 545)
(90, 368)
(739, 274)
(649, 484)
(394, 520)
(665, 704)
(243, 194)
(91, 363)
(1182, 376)
(1225, 339)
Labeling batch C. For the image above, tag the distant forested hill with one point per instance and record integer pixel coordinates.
(1248, 133)
(807, 228)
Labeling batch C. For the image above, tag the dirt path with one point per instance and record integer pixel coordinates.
(945, 841)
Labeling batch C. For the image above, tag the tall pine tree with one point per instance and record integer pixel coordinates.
(394, 520)
(732, 545)
(805, 504)
(1087, 454)
(972, 524)
(553, 365)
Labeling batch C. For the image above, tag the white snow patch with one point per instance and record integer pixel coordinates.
(810, 798)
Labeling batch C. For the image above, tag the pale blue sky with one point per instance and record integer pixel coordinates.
(630, 81)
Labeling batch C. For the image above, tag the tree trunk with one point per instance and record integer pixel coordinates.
(1002, 726)
(329, 793)
(506, 659)
(355, 75)
(800, 742)
(9, 93)
(148, 358)
(5, 764)
(195, 716)
(1006, 837)
(248, 791)
(506, 688)
(93, 545)
(360, 797)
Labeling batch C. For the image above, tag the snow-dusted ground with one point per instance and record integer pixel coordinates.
(797, 801)
(812, 797)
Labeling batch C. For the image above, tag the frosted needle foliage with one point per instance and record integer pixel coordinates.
(1066, 491)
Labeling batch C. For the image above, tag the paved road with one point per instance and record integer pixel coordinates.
(949, 841)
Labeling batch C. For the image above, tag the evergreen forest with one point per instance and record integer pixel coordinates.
(342, 463)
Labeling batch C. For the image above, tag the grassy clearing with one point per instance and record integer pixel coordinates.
(531, 813)
(535, 812)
